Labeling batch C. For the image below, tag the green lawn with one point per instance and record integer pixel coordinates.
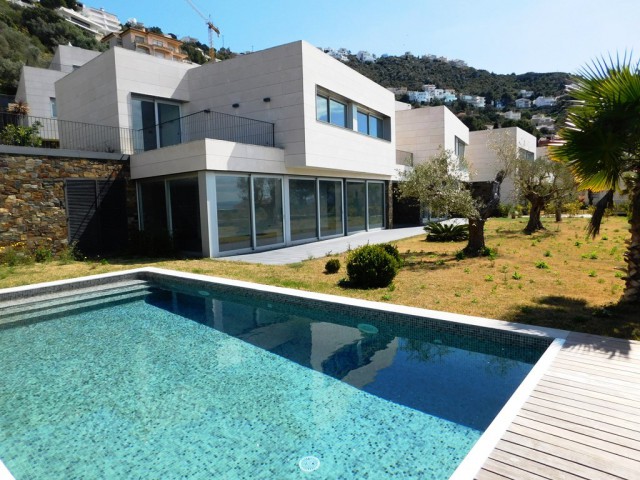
(556, 278)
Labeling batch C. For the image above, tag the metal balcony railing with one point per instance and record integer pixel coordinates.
(207, 124)
(26, 130)
(30, 131)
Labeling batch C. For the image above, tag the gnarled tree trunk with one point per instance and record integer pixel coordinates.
(475, 245)
(488, 196)
(537, 205)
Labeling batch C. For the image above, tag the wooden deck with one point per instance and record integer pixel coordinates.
(582, 421)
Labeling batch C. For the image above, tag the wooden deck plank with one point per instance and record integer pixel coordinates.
(608, 370)
(582, 420)
(586, 453)
(494, 469)
(610, 441)
(570, 416)
(614, 386)
(622, 362)
(521, 465)
(534, 452)
(579, 411)
(588, 400)
(591, 391)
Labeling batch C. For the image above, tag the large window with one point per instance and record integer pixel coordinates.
(331, 111)
(234, 212)
(330, 207)
(370, 124)
(303, 212)
(336, 110)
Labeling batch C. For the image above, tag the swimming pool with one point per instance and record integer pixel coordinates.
(169, 377)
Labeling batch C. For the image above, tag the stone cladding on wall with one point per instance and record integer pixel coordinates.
(32, 196)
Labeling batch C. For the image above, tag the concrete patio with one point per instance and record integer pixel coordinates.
(323, 248)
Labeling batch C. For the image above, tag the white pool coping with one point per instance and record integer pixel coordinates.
(478, 455)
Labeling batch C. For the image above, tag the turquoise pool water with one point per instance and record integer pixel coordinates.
(181, 384)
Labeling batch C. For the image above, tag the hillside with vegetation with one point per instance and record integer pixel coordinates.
(413, 72)
(29, 36)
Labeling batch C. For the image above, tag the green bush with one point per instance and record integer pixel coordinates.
(393, 251)
(42, 254)
(444, 232)
(503, 210)
(332, 266)
(371, 266)
(21, 136)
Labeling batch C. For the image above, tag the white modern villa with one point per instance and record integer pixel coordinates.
(274, 148)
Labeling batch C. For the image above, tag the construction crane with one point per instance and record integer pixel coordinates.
(211, 28)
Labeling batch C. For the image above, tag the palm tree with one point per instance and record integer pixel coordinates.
(600, 143)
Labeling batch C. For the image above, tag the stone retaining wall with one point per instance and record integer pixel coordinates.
(32, 195)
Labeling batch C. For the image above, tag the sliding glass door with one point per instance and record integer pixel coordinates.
(303, 209)
(156, 123)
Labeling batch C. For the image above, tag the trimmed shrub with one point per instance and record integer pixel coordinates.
(445, 232)
(332, 266)
(393, 251)
(371, 266)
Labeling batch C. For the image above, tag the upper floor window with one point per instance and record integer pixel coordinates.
(158, 43)
(331, 111)
(139, 39)
(459, 148)
(54, 108)
(525, 154)
(370, 124)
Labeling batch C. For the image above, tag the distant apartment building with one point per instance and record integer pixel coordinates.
(545, 102)
(523, 103)
(141, 40)
(541, 119)
(94, 20)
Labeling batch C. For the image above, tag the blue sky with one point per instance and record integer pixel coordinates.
(503, 36)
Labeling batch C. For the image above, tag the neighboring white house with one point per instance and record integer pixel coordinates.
(511, 115)
(474, 100)
(484, 163)
(526, 93)
(523, 103)
(365, 56)
(36, 86)
(545, 102)
(274, 148)
(424, 132)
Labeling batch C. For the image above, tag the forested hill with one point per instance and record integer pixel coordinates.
(413, 72)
